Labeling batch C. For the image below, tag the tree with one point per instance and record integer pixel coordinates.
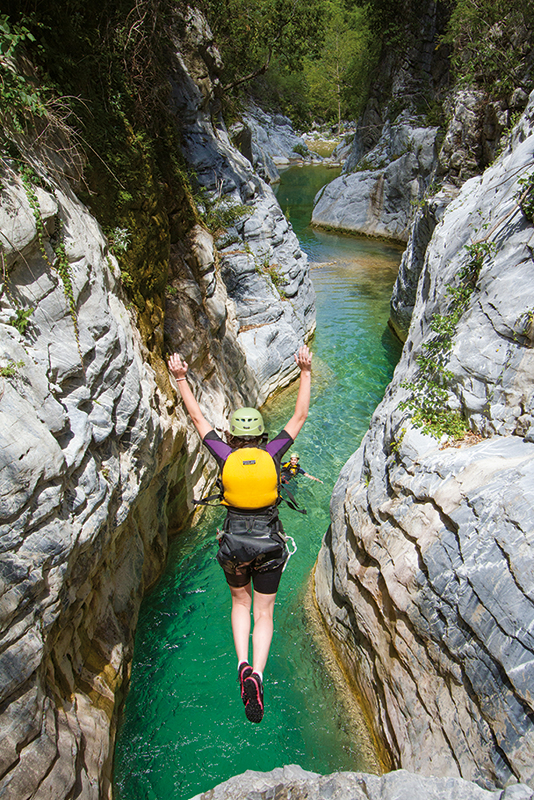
(249, 34)
(339, 74)
(492, 43)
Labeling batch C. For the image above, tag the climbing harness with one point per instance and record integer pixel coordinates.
(248, 537)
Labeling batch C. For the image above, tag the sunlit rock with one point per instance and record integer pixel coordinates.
(294, 783)
(425, 577)
(378, 195)
(265, 272)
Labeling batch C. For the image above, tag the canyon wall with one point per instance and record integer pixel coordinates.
(293, 783)
(425, 576)
(99, 464)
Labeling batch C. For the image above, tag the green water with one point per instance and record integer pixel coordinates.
(184, 729)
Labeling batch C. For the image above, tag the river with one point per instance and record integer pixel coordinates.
(184, 729)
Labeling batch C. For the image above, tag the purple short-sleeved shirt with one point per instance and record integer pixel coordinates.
(221, 450)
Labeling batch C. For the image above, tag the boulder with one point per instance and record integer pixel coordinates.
(294, 783)
(274, 141)
(378, 197)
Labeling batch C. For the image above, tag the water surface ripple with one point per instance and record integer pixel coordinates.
(184, 729)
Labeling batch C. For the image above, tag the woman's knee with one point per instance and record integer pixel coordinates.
(263, 605)
(241, 595)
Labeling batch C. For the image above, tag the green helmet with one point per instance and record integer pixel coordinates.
(246, 422)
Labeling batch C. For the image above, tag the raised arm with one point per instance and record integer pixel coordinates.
(178, 370)
(302, 405)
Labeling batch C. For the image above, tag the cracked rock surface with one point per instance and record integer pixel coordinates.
(426, 575)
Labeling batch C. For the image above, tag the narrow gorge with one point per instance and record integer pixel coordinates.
(425, 576)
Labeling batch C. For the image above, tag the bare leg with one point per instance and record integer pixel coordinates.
(263, 629)
(241, 604)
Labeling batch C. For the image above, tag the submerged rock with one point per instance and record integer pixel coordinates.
(425, 578)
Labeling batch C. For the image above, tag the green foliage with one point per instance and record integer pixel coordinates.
(301, 150)
(310, 60)
(428, 400)
(280, 91)
(19, 96)
(60, 262)
(525, 197)
(11, 368)
(22, 319)
(250, 34)
(219, 213)
(397, 442)
(107, 64)
(492, 42)
(263, 266)
(11, 36)
(119, 240)
(338, 78)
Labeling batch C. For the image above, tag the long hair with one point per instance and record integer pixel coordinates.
(236, 442)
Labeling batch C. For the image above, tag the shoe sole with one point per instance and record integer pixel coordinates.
(254, 699)
(245, 673)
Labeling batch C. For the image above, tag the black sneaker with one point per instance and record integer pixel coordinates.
(245, 670)
(253, 690)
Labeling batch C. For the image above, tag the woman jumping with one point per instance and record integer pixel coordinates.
(252, 546)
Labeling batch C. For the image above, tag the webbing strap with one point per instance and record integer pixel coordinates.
(292, 503)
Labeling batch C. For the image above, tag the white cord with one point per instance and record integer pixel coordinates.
(291, 552)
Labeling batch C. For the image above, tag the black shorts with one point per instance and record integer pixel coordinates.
(252, 546)
(263, 582)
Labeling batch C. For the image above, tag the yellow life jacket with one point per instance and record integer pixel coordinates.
(250, 479)
(292, 468)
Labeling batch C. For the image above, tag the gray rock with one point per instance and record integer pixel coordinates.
(377, 198)
(294, 783)
(424, 578)
(273, 141)
(404, 292)
(265, 272)
(98, 463)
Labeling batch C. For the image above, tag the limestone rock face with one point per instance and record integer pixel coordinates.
(274, 141)
(265, 272)
(378, 198)
(294, 783)
(425, 577)
(473, 134)
(427, 216)
(98, 464)
(87, 442)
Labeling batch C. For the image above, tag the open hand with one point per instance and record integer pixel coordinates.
(177, 367)
(304, 358)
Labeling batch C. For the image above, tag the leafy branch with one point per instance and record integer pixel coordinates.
(61, 262)
(429, 397)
